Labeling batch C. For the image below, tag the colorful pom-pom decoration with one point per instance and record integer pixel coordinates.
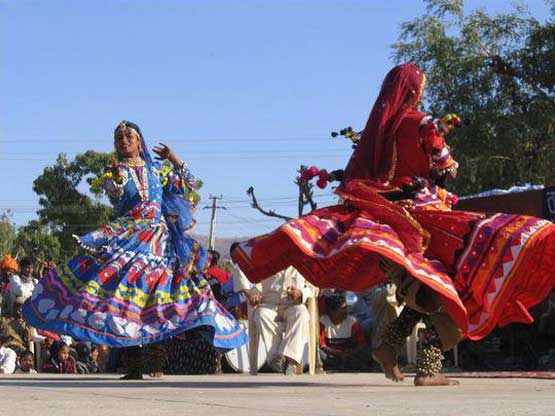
(306, 176)
(313, 171)
(323, 175)
(321, 183)
(452, 199)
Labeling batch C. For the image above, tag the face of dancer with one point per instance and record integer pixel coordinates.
(128, 144)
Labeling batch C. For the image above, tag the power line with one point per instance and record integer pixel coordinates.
(255, 152)
(208, 157)
(193, 140)
(233, 199)
(76, 207)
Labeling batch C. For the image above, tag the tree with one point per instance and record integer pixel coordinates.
(8, 234)
(498, 73)
(34, 240)
(67, 209)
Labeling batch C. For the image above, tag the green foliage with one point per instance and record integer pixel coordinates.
(498, 73)
(8, 234)
(66, 209)
(36, 241)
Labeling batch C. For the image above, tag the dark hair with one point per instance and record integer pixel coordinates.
(25, 261)
(125, 124)
(56, 347)
(335, 301)
(215, 257)
(4, 339)
(233, 246)
(25, 354)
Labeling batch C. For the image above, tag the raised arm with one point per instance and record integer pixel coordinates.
(177, 178)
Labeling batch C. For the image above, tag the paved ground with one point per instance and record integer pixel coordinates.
(268, 395)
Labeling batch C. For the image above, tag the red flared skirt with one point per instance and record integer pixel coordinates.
(488, 269)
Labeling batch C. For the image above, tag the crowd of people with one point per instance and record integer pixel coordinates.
(281, 318)
(20, 343)
(347, 329)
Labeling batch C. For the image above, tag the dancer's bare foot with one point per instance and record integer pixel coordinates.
(439, 380)
(387, 358)
(156, 374)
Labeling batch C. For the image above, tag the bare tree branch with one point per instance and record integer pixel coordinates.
(269, 213)
(306, 196)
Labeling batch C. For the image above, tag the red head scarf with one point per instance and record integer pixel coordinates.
(374, 155)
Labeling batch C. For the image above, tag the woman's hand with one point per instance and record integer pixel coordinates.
(165, 153)
(115, 170)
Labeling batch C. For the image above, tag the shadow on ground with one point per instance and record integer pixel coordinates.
(101, 382)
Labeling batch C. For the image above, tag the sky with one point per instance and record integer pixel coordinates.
(244, 91)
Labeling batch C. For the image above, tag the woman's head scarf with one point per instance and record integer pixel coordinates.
(374, 156)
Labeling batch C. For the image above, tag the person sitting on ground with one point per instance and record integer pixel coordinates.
(342, 342)
(87, 356)
(61, 362)
(26, 363)
(18, 331)
(280, 300)
(217, 276)
(8, 357)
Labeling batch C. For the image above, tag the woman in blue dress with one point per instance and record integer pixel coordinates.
(144, 279)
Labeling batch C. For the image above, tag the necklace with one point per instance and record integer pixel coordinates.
(139, 175)
(133, 161)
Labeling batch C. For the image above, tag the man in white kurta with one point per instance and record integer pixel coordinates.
(21, 285)
(280, 315)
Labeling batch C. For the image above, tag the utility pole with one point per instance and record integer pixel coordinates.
(214, 207)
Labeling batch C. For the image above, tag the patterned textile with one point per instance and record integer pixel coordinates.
(137, 286)
(487, 269)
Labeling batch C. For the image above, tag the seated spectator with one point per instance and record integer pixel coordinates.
(8, 267)
(22, 284)
(215, 271)
(8, 357)
(19, 333)
(217, 276)
(26, 363)
(280, 315)
(45, 268)
(87, 356)
(342, 342)
(61, 361)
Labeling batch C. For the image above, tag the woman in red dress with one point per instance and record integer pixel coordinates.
(464, 273)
